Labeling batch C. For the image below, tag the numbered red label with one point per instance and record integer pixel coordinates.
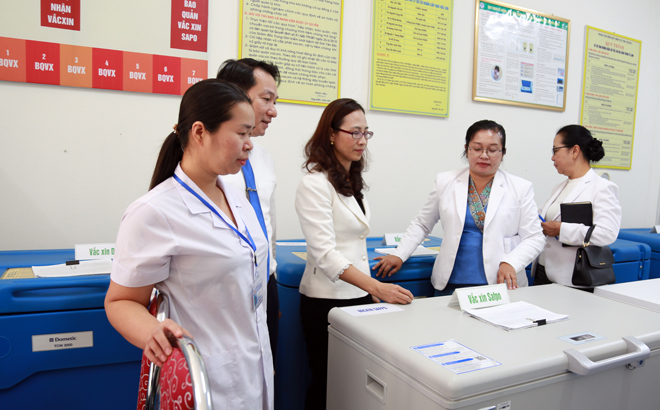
(167, 75)
(76, 66)
(192, 71)
(138, 72)
(107, 69)
(64, 14)
(43, 62)
(12, 59)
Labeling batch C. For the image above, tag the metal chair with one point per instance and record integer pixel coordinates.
(182, 382)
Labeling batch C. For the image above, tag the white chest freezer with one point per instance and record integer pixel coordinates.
(642, 293)
(581, 363)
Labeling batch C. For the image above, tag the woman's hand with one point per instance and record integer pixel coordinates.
(551, 228)
(391, 293)
(506, 274)
(389, 265)
(159, 345)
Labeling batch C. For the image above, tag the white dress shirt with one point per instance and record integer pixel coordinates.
(169, 238)
(335, 229)
(512, 229)
(264, 176)
(604, 197)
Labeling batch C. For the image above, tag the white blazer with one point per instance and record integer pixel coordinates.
(604, 197)
(512, 229)
(335, 229)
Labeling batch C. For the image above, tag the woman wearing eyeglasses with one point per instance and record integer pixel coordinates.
(334, 216)
(573, 150)
(491, 228)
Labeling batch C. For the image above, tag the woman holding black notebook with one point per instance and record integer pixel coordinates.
(573, 151)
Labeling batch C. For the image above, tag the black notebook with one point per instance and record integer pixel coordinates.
(577, 213)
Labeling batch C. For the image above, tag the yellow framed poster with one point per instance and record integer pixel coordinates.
(303, 39)
(609, 94)
(411, 56)
(520, 56)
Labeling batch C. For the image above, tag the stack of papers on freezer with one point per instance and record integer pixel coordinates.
(420, 251)
(92, 267)
(516, 315)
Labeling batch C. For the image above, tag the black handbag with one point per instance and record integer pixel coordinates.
(593, 264)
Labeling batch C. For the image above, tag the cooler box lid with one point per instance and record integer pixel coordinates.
(48, 294)
(630, 251)
(643, 235)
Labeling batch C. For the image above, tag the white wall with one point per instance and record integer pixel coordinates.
(72, 159)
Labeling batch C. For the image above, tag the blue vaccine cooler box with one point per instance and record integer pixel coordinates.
(292, 374)
(57, 348)
(644, 235)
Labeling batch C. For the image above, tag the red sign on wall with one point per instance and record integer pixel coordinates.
(63, 14)
(167, 75)
(43, 62)
(107, 69)
(189, 28)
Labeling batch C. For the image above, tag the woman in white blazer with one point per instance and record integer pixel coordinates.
(334, 216)
(491, 228)
(572, 152)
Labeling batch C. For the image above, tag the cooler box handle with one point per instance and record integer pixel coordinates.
(582, 365)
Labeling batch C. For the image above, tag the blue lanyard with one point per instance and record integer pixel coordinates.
(247, 240)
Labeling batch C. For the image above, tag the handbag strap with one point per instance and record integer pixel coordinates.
(588, 236)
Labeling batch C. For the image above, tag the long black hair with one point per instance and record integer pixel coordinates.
(208, 101)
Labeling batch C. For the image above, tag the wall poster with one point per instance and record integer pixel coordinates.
(302, 38)
(411, 56)
(609, 94)
(520, 56)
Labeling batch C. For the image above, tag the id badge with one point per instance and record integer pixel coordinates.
(257, 293)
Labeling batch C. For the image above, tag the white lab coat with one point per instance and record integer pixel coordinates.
(604, 197)
(512, 229)
(169, 238)
(335, 230)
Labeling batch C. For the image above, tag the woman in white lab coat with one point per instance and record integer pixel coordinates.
(573, 150)
(491, 228)
(199, 241)
(334, 217)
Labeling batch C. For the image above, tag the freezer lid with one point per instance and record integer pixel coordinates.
(643, 235)
(630, 251)
(525, 355)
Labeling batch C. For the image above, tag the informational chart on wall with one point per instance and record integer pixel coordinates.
(411, 56)
(520, 56)
(96, 46)
(609, 94)
(303, 38)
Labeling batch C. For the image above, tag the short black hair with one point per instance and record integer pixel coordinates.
(241, 72)
(485, 125)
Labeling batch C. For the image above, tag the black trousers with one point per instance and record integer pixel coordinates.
(314, 318)
(273, 314)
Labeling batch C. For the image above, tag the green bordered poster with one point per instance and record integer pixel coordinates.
(303, 39)
(520, 56)
(609, 94)
(411, 56)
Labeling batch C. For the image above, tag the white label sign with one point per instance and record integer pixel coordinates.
(480, 296)
(95, 251)
(375, 309)
(59, 341)
(392, 239)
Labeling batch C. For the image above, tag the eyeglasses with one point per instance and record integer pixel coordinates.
(491, 152)
(555, 149)
(357, 134)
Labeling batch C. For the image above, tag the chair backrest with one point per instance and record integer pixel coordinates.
(182, 382)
